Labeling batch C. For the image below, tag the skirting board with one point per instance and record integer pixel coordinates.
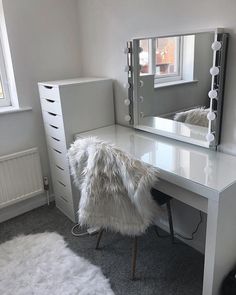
(23, 207)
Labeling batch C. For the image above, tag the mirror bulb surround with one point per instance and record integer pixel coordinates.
(141, 99)
(214, 71)
(127, 85)
(126, 50)
(212, 94)
(216, 45)
(141, 83)
(211, 116)
(127, 118)
(210, 137)
(126, 69)
(127, 102)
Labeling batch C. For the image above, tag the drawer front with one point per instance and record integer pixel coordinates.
(53, 119)
(51, 105)
(59, 159)
(187, 197)
(49, 92)
(66, 207)
(57, 144)
(62, 189)
(54, 131)
(62, 177)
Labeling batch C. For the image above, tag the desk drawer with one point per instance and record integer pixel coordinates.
(59, 188)
(57, 144)
(53, 118)
(66, 207)
(54, 131)
(62, 176)
(192, 199)
(49, 92)
(59, 159)
(51, 105)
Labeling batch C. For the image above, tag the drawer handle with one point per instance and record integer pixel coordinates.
(48, 87)
(60, 168)
(55, 138)
(57, 151)
(53, 126)
(50, 100)
(61, 183)
(64, 199)
(52, 114)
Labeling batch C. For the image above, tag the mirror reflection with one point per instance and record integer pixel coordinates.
(174, 82)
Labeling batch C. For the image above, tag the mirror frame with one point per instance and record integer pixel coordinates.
(216, 104)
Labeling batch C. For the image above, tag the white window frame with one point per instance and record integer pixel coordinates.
(5, 101)
(168, 77)
(6, 67)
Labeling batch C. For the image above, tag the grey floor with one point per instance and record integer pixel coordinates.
(162, 268)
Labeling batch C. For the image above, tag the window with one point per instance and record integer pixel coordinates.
(168, 55)
(8, 94)
(4, 91)
(166, 58)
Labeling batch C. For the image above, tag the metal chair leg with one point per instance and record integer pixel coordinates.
(170, 221)
(99, 238)
(134, 257)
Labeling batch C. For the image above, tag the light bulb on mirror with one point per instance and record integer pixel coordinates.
(127, 85)
(216, 45)
(211, 116)
(141, 83)
(126, 69)
(210, 137)
(141, 115)
(212, 94)
(141, 99)
(127, 102)
(214, 71)
(127, 118)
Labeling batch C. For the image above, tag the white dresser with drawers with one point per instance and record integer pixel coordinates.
(70, 107)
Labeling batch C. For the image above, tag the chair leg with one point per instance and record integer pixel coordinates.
(170, 221)
(99, 238)
(134, 257)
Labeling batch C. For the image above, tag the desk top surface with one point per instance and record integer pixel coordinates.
(198, 169)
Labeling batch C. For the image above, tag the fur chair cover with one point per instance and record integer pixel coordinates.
(114, 187)
(196, 116)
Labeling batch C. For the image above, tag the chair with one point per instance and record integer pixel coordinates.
(161, 199)
(116, 191)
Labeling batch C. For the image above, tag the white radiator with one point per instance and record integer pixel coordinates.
(20, 177)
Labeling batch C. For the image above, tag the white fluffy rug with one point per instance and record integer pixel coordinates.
(41, 264)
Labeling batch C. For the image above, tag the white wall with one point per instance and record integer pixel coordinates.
(44, 46)
(106, 25)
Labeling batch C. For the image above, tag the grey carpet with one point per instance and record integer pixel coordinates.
(162, 268)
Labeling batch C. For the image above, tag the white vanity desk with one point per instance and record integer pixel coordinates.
(201, 178)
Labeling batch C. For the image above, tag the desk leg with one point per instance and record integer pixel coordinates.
(220, 252)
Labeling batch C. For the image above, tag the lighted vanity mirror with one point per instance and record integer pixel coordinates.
(176, 85)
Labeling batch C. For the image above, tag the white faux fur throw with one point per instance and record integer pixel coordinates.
(196, 116)
(114, 187)
(42, 264)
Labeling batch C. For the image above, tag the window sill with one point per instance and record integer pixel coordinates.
(173, 83)
(11, 109)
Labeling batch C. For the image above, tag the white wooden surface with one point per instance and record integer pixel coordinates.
(201, 178)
